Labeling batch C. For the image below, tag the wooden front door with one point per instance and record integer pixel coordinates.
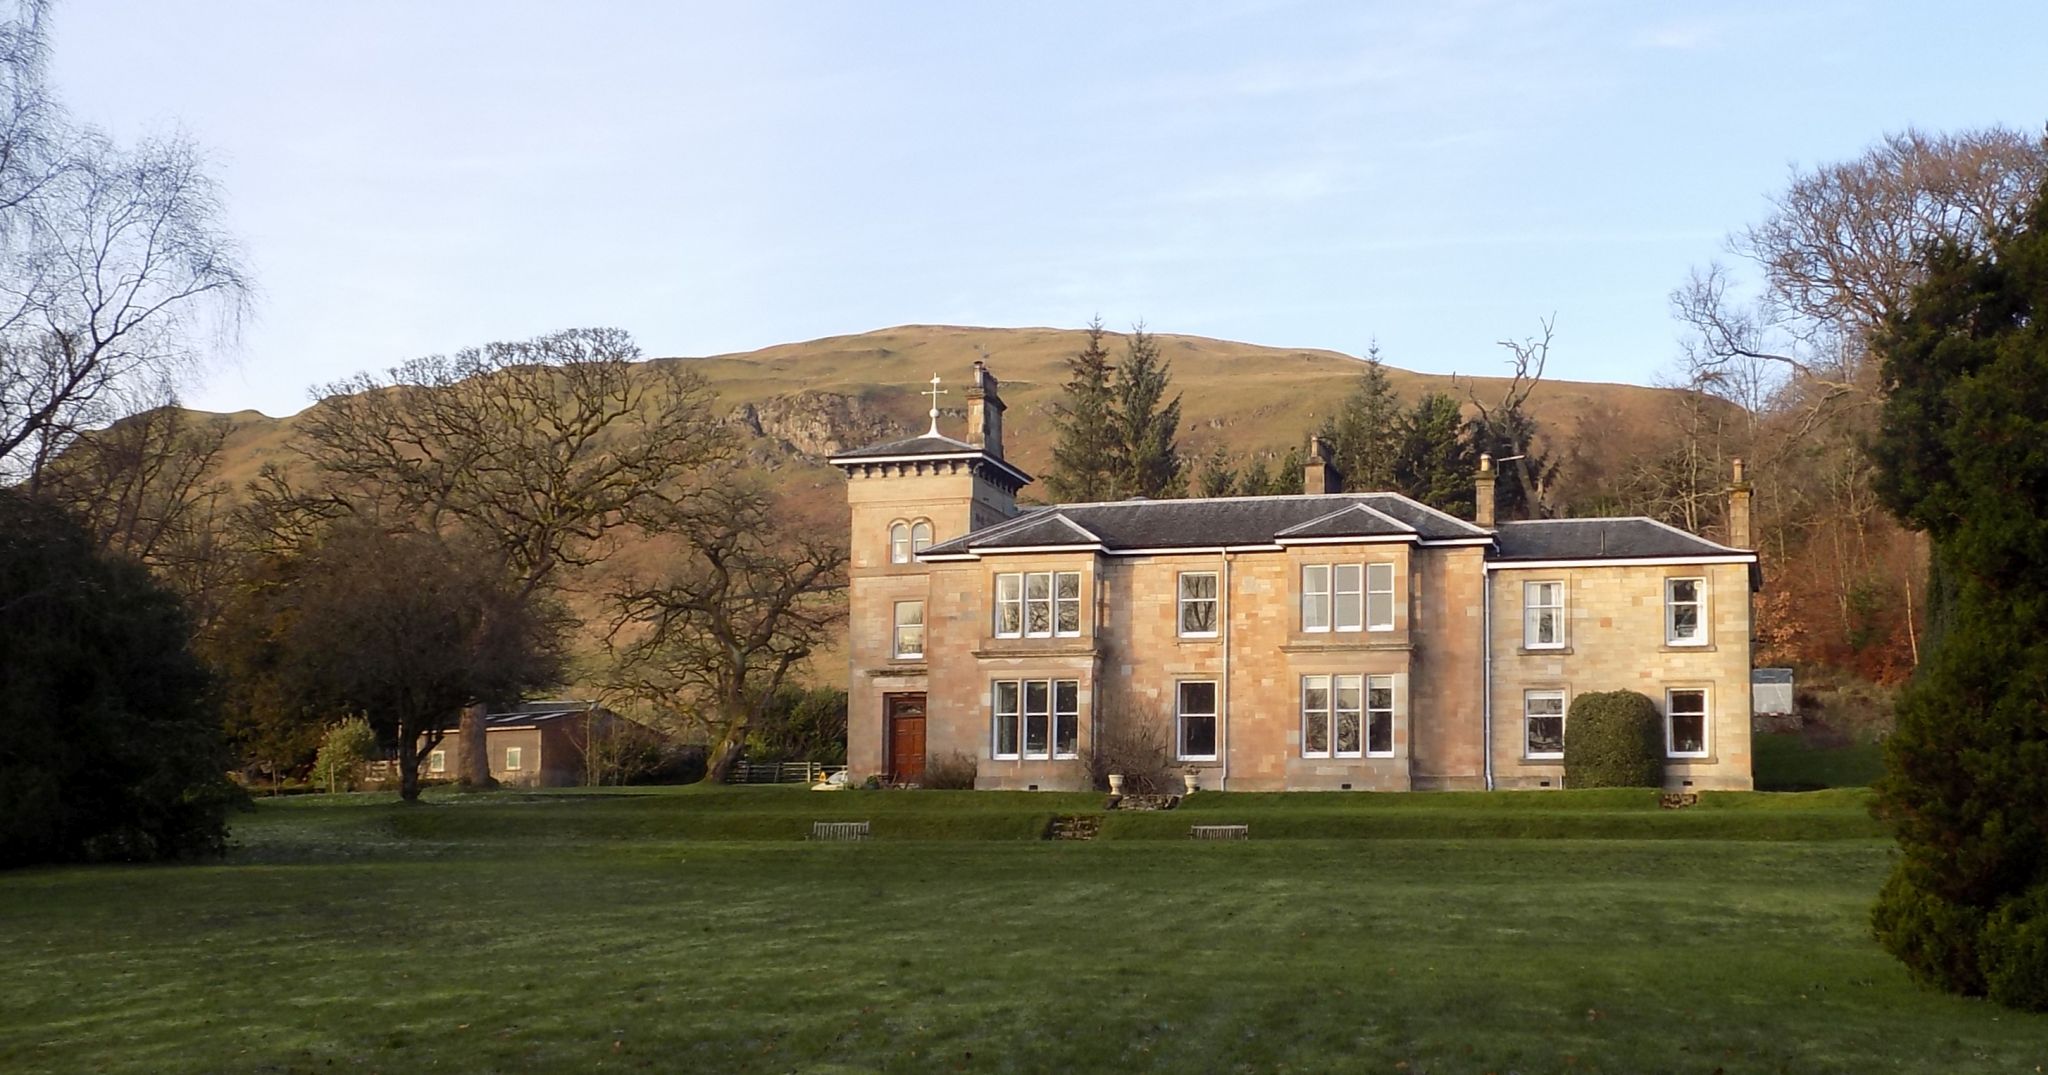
(906, 737)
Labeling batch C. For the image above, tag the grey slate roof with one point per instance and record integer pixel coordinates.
(1207, 523)
(1602, 539)
(1355, 520)
(927, 444)
(524, 718)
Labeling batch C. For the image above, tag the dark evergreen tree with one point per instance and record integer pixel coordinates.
(1963, 451)
(1365, 433)
(1148, 423)
(109, 746)
(1085, 453)
(1218, 476)
(1286, 479)
(1256, 480)
(1434, 462)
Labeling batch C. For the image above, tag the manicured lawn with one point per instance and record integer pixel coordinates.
(692, 931)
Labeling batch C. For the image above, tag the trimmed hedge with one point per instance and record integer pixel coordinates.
(1613, 739)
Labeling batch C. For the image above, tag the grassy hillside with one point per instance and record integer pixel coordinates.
(813, 398)
(1245, 397)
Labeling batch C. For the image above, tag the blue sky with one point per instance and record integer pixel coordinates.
(412, 177)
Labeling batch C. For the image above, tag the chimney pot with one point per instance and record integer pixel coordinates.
(1482, 492)
(1320, 476)
(984, 411)
(1738, 510)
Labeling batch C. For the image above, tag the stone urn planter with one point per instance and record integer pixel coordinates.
(1192, 780)
(1116, 783)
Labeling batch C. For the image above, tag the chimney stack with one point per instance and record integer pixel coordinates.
(1482, 492)
(984, 411)
(1738, 510)
(1319, 475)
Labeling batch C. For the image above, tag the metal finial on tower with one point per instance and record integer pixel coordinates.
(935, 393)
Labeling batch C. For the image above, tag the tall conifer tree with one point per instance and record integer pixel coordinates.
(1365, 432)
(1148, 422)
(1434, 462)
(1085, 453)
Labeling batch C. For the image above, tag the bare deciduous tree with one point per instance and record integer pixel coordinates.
(753, 599)
(1504, 428)
(539, 448)
(148, 487)
(1839, 252)
(113, 265)
(1842, 249)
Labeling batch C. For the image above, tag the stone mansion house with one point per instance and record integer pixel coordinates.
(1328, 641)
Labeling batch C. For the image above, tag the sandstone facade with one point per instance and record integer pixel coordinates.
(1411, 670)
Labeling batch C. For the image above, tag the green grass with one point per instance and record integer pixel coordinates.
(1785, 762)
(690, 930)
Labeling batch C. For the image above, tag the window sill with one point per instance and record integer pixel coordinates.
(1543, 759)
(897, 670)
(1543, 651)
(1683, 647)
(1351, 644)
(1036, 647)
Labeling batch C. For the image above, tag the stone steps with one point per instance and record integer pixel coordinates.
(1074, 827)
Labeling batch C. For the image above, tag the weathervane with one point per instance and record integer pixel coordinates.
(935, 393)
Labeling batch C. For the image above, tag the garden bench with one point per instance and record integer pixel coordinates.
(839, 830)
(1220, 832)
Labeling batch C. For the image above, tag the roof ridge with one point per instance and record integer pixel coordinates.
(1686, 533)
(1439, 512)
(1209, 499)
(1076, 527)
(1357, 506)
(995, 529)
(1389, 518)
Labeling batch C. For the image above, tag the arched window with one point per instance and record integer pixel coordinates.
(899, 543)
(920, 536)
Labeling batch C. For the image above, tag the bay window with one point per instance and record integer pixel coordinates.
(1347, 597)
(1035, 719)
(1331, 712)
(1038, 604)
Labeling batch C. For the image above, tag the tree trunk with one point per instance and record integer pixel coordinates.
(724, 754)
(408, 773)
(476, 748)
